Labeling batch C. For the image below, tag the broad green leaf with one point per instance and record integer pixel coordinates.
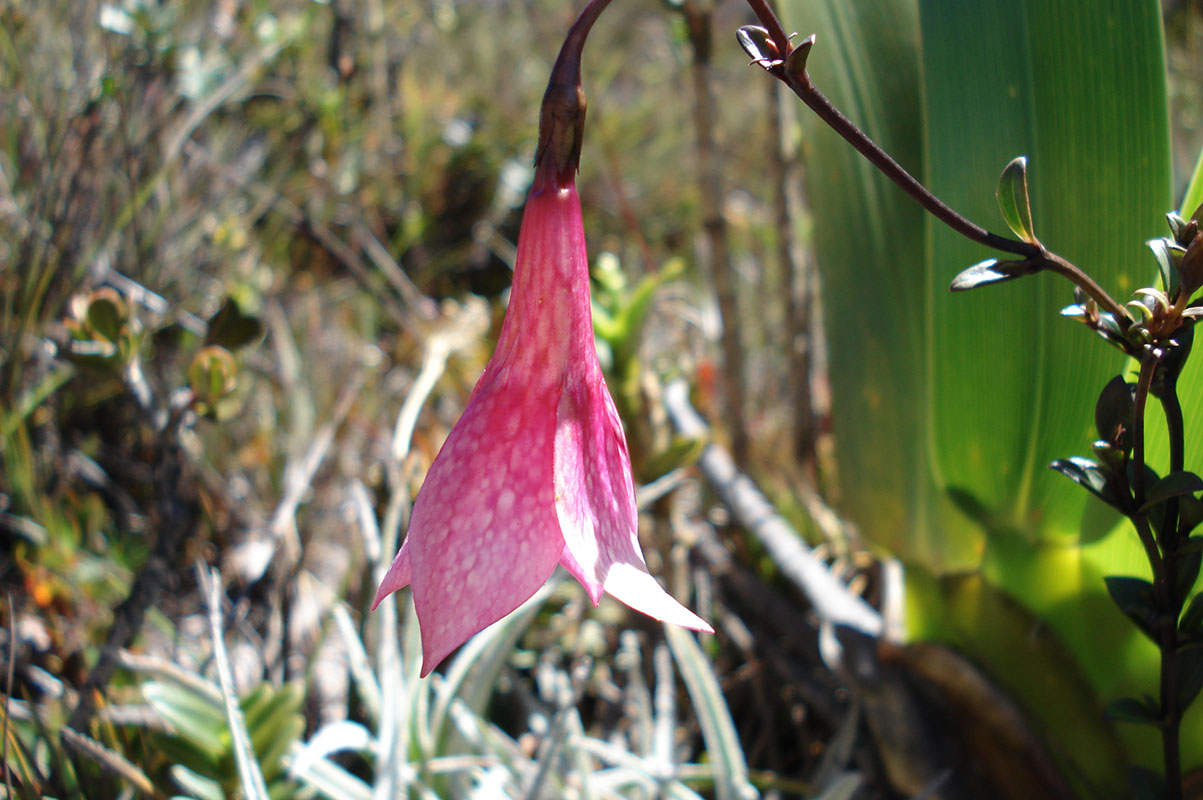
(999, 387)
(869, 238)
(1194, 190)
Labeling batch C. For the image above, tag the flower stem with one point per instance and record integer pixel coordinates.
(562, 114)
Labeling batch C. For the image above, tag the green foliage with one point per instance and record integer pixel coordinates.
(199, 743)
(988, 391)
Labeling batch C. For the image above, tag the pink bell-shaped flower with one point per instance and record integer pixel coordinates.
(536, 472)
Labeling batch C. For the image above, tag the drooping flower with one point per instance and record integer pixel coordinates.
(536, 472)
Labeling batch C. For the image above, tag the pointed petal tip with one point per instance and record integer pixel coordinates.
(399, 575)
(637, 589)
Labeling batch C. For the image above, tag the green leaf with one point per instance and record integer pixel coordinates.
(979, 391)
(1088, 475)
(106, 314)
(1175, 484)
(1190, 674)
(987, 273)
(1165, 264)
(1012, 194)
(1187, 572)
(1145, 784)
(1143, 711)
(193, 717)
(718, 731)
(1191, 624)
(1194, 190)
(199, 787)
(1136, 599)
(232, 329)
(1113, 413)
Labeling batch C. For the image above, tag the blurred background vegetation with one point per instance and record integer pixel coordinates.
(232, 233)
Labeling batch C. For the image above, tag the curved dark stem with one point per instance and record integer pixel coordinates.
(764, 13)
(801, 85)
(562, 115)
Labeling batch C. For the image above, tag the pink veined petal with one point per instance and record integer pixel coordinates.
(484, 536)
(399, 575)
(595, 502)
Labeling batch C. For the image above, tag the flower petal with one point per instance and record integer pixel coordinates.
(484, 535)
(595, 501)
(400, 574)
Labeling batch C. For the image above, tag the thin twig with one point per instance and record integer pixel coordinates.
(109, 760)
(1034, 256)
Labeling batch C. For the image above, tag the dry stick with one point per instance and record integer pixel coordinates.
(698, 22)
(107, 759)
(831, 599)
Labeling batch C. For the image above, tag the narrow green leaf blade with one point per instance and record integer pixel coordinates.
(1013, 201)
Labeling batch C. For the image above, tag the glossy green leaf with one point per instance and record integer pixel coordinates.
(986, 273)
(1013, 200)
(1175, 484)
(1191, 624)
(1134, 596)
(1190, 674)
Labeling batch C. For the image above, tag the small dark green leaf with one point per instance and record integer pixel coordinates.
(992, 270)
(1165, 265)
(106, 314)
(795, 62)
(1190, 674)
(1191, 624)
(1141, 710)
(1013, 199)
(1077, 311)
(1087, 474)
(1135, 598)
(757, 43)
(1190, 513)
(1188, 571)
(1173, 485)
(1145, 784)
(231, 329)
(1113, 413)
(1177, 225)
